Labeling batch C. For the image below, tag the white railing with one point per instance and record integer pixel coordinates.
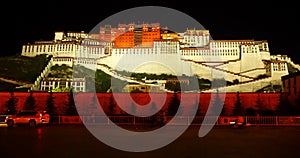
(179, 120)
(43, 74)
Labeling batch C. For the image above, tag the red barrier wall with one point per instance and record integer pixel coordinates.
(269, 101)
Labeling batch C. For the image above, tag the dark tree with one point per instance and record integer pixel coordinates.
(201, 105)
(284, 106)
(259, 105)
(174, 106)
(214, 108)
(112, 106)
(92, 106)
(235, 81)
(11, 104)
(50, 107)
(238, 108)
(224, 111)
(296, 108)
(136, 91)
(70, 105)
(173, 86)
(30, 102)
(195, 108)
(198, 113)
(156, 118)
(215, 83)
(250, 112)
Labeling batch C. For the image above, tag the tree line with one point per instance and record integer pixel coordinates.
(284, 107)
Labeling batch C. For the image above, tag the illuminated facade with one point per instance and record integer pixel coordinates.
(148, 48)
(195, 38)
(128, 36)
(141, 88)
(77, 84)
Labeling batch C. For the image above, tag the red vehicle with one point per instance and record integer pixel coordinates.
(31, 118)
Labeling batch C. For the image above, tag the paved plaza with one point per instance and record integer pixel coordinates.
(75, 141)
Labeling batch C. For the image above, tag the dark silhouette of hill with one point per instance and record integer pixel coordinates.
(19, 70)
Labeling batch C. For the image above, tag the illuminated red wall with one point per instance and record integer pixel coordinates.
(269, 101)
(125, 39)
(149, 36)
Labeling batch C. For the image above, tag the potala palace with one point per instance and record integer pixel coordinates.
(148, 48)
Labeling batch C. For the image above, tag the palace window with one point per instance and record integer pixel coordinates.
(275, 67)
(282, 67)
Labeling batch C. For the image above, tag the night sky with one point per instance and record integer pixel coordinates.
(28, 21)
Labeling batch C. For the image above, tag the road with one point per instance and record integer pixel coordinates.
(74, 141)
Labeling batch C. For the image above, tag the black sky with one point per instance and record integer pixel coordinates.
(28, 21)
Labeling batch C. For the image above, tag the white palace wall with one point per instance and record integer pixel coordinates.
(265, 55)
(210, 73)
(244, 87)
(234, 66)
(250, 58)
(150, 63)
(207, 55)
(254, 72)
(150, 60)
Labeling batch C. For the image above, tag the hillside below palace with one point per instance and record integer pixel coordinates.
(149, 48)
